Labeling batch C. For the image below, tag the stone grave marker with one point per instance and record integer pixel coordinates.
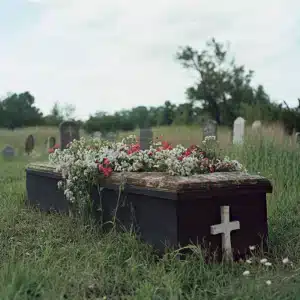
(297, 136)
(225, 229)
(238, 130)
(256, 125)
(210, 128)
(69, 131)
(29, 144)
(146, 137)
(51, 142)
(8, 152)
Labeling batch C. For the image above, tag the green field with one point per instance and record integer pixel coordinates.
(53, 257)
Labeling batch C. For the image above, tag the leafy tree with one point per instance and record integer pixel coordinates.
(18, 110)
(222, 85)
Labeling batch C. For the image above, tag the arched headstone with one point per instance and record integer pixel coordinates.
(210, 128)
(69, 131)
(146, 137)
(29, 144)
(8, 152)
(238, 131)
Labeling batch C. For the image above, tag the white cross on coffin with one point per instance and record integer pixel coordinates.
(225, 229)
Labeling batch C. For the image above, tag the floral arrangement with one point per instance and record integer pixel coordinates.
(83, 161)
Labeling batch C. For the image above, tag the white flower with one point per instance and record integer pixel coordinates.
(246, 273)
(268, 264)
(268, 282)
(248, 261)
(285, 260)
(263, 261)
(252, 248)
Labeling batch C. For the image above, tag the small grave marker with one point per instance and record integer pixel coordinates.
(146, 137)
(225, 229)
(69, 131)
(210, 128)
(8, 152)
(51, 141)
(297, 136)
(29, 144)
(238, 131)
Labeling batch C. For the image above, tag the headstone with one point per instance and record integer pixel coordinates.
(146, 137)
(225, 229)
(69, 131)
(256, 125)
(297, 135)
(8, 152)
(51, 142)
(29, 144)
(238, 131)
(210, 128)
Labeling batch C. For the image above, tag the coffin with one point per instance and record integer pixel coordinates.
(170, 211)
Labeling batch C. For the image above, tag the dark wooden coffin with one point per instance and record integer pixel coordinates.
(169, 211)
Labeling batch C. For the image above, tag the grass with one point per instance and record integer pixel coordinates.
(45, 256)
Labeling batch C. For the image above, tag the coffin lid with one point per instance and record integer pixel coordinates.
(177, 184)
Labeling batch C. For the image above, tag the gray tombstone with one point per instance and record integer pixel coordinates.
(8, 152)
(238, 131)
(210, 128)
(69, 131)
(51, 142)
(297, 136)
(146, 137)
(29, 144)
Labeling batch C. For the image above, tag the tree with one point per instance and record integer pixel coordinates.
(18, 110)
(222, 85)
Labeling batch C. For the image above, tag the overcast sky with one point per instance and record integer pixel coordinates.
(114, 54)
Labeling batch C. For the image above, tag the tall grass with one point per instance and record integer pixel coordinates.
(48, 256)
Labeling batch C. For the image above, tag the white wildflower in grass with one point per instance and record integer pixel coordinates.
(249, 261)
(268, 264)
(246, 273)
(268, 282)
(285, 261)
(263, 261)
(252, 248)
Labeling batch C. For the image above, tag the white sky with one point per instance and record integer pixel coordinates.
(115, 54)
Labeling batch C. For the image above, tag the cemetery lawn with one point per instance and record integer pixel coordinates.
(45, 256)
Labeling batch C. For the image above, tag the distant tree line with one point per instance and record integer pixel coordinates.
(223, 91)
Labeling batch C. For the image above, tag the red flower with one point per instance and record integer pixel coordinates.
(106, 171)
(212, 169)
(166, 145)
(134, 148)
(50, 150)
(106, 161)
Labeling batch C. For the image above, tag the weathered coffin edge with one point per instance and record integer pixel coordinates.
(168, 184)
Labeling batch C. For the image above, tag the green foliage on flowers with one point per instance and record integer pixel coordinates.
(86, 160)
